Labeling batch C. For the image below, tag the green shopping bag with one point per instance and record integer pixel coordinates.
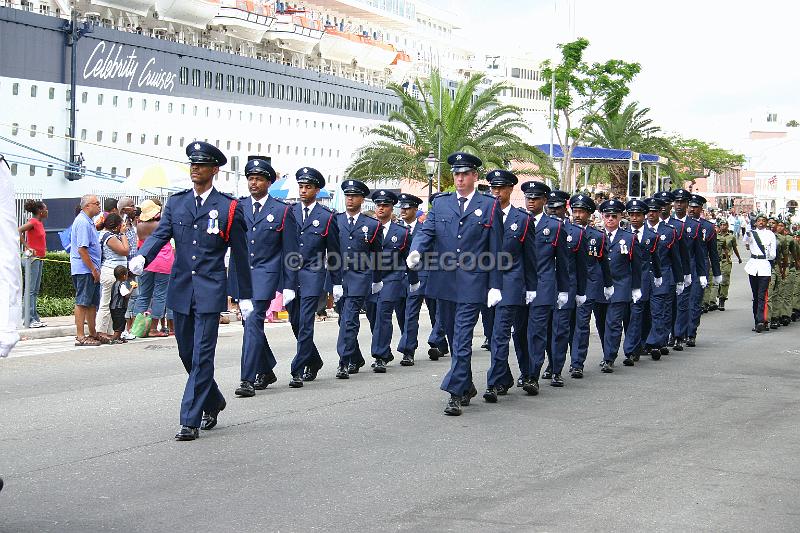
(141, 324)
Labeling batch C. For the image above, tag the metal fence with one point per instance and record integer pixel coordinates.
(20, 197)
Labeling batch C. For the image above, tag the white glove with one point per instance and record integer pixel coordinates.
(136, 266)
(376, 287)
(687, 280)
(338, 292)
(246, 308)
(562, 298)
(288, 296)
(414, 287)
(413, 258)
(530, 296)
(717, 280)
(703, 281)
(636, 295)
(7, 342)
(580, 300)
(657, 281)
(608, 292)
(494, 297)
(679, 288)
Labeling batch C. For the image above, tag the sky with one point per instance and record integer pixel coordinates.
(710, 69)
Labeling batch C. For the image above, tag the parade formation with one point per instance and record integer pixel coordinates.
(535, 274)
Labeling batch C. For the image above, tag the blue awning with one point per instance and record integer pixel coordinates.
(589, 154)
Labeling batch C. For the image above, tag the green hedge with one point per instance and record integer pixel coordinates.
(50, 306)
(56, 278)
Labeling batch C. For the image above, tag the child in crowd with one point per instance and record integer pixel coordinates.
(120, 292)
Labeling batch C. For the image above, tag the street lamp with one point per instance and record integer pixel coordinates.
(431, 165)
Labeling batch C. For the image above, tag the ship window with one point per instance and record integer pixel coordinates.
(259, 148)
(262, 88)
(157, 105)
(99, 98)
(84, 97)
(15, 128)
(209, 81)
(331, 100)
(269, 148)
(290, 93)
(113, 136)
(305, 150)
(324, 101)
(306, 124)
(271, 92)
(347, 102)
(230, 83)
(15, 90)
(240, 85)
(155, 140)
(49, 170)
(128, 172)
(337, 153)
(207, 111)
(261, 118)
(144, 104)
(251, 86)
(194, 111)
(230, 113)
(339, 99)
(313, 152)
(181, 143)
(32, 170)
(315, 101)
(130, 103)
(114, 172)
(142, 139)
(361, 104)
(68, 94)
(169, 140)
(296, 150)
(33, 130)
(308, 96)
(251, 116)
(33, 91)
(99, 135)
(184, 75)
(169, 107)
(13, 169)
(298, 95)
(129, 137)
(228, 145)
(219, 113)
(183, 109)
(114, 101)
(279, 149)
(249, 147)
(240, 115)
(83, 135)
(50, 132)
(239, 146)
(219, 81)
(280, 91)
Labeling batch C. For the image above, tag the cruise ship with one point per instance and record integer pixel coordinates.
(103, 95)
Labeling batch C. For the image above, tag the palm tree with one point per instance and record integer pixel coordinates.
(473, 121)
(628, 129)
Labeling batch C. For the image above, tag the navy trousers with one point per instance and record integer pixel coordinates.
(579, 344)
(409, 339)
(696, 307)
(612, 336)
(660, 319)
(257, 357)
(538, 324)
(196, 335)
(383, 329)
(560, 334)
(437, 338)
(759, 286)
(458, 321)
(487, 320)
(349, 325)
(302, 311)
(682, 315)
(636, 321)
(506, 318)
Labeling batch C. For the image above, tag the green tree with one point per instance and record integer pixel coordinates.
(697, 159)
(473, 120)
(792, 124)
(582, 92)
(628, 128)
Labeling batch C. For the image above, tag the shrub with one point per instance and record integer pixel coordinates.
(52, 306)
(56, 278)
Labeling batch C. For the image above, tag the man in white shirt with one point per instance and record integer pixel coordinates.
(763, 246)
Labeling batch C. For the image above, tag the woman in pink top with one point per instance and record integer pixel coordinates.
(33, 239)
(154, 281)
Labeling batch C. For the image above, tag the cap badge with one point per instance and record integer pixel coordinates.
(196, 146)
(478, 212)
(458, 157)
(382, 193)
(496, 173)
(255, 163)
(513, 226)
(305, 171)
(213, 213)
(315, 223)
(270, 217)
(546, 231)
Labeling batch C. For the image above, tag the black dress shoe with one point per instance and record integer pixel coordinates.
(434, 353)
(531, 386)
(342, 373)
(690, 342)
(453, 406)
(664, 350)
(636, 355)
(606, 367)
(655, 354)
(209, 420)
(408, 360)
(547, 374)
(785, 321)
(774, 324)
(628, 361)
(671, 341)
(471, 393)
(352, 368)
(490, 395)
(520, 381)
(296, 382)
(678, 345)
(485, 345)
(245, 390)
(759, 327)
(379, 367)
(187, 433)
(264, 380)
(502, 390)
(576, 373)
(310, 374)
(557, 381)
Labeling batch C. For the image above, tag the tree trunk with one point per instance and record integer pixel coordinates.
(619, 181)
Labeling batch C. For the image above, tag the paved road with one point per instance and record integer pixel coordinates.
(706, 439)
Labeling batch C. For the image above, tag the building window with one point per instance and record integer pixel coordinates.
(290, 93)
(195, 77)
(251, 87)
(271, 92)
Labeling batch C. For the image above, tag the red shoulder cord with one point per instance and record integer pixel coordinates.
(491, 216)
(328, 226)
(405, 240)
(577, 246)
(525, 231)
(377, 229)
(633, 243)
(283, 222)
(602, 245)
(558, 232)
(226, 235)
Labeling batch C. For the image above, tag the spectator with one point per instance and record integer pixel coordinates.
(115, 248)
(84, 258)
(32, 237)
(154, 281)
(109, 207)
(130, 217)
(118, 303)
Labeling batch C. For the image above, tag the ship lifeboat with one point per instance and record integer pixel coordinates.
(400, 66)
(139, 7)
(297, 33)
(245, 19)
(197, 13)
(346, 47)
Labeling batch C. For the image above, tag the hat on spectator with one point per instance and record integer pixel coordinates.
(149, 210)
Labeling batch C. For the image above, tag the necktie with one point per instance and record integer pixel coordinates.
(608, 235)
(256, 208)
(305, 213)
(461, 202)
(385, 230)
(502, 217)
(351, 222)
(199, 201)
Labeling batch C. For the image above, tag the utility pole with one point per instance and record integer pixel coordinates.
(73, 35)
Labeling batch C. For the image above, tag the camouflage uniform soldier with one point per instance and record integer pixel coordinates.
(726, 244)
